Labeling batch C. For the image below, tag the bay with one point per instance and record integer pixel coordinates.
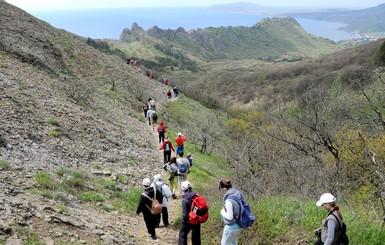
(109, 23)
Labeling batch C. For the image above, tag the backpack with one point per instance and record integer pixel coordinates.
(246, 217)
(182, 169)
(167, 146)
(199, 211)
(156, 207)
(154, 116)
(343, 239)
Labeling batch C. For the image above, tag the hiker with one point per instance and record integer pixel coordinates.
(154, 118)
(145, 109)
(176, 91)
(169, 94)
(167, 148)
(330, 230)
(166, 193)
(172, 168)
(161, 130)
(148, 115)
(152, 104)
(144, 207)
(186, 226)
(183, 167)
(189, 158)
(166, 81)
(230, 212)
(179, 140)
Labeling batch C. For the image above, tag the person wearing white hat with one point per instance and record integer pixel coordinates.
(166, 193)
(186, 226)
(330, 230)
(145, 204)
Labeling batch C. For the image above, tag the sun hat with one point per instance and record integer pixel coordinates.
(146, 182)
(158, 177)
(179, 134)
(185, 185)
(325, 198)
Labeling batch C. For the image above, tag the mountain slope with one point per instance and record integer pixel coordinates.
(70, 120)
(270, 39)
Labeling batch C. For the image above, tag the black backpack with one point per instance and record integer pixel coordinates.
(154, 116)
(343, 239)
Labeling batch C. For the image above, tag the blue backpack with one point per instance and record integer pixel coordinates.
(246, 217)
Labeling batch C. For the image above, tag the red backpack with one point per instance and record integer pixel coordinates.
(199, 212)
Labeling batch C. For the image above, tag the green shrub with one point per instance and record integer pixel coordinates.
(54, 133)
(45, 180)
(5, 164)
(61, 208)
(61, 171)
(54, 122)
(76, 180)
(91, 196)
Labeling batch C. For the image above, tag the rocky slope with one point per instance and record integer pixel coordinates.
(64, 104)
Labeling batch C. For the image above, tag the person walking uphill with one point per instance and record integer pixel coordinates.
(167, 148)
(144, 207)
(186, 226)
(179, 140)
(161, 131)
(330, 230)
(230, 212)
(166, 193)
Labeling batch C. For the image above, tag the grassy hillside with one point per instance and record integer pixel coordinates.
(271, 39)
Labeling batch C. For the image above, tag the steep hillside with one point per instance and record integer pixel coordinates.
(69, 116)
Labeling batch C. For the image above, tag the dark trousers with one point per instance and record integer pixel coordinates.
(164, 217)
(318, 242)
(150, 221)
(195, 234)
(167, 156)
(161, 137)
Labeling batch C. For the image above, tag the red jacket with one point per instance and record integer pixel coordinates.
(161, 125)
(180, 140)
(164, 144)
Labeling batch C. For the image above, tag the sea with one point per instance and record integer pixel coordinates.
(109, 23)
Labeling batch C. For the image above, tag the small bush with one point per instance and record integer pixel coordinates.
(5, 164)
(61, 171)
(45, 180)
(54, 133)
(54, 122)
(76, 180)
(61, 208)
(91, 196)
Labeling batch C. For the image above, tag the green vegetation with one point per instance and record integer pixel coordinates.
(54, 122)
(5, 165)
(86, 188)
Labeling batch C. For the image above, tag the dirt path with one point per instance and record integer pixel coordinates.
(166, 235)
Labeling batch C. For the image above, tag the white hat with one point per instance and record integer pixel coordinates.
(325, 198)
(146, 182)
(158, 177)
(185, 185)
(179, 134)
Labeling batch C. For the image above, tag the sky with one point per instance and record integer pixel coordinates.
(39, 5)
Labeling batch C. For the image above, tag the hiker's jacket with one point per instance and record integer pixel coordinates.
(180, 140)
(186, 205)
(231, 207)
(330, 230)
(145, 203)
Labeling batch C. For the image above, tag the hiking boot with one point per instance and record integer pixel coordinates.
(154, 238)
(173, 196)
(166, 225)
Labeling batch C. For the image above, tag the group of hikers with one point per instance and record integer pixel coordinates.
(154, 201)
(235, 214)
